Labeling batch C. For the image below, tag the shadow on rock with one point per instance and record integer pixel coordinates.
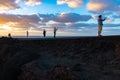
(10, 69)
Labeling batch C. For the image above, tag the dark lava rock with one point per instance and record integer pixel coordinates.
(11, 68)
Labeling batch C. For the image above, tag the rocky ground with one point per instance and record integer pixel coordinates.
(86, 58)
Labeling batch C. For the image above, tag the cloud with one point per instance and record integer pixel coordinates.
(116, 16)
(103, 6)
(84, 25)
(71, 3)
(87, 28)
(112, 25)
(35, 22)
(118, 10)
(8, 5)
(42, 20)
(33, 2)
(18, 21)
(109, 20)
(92, 6)
(81, 25)
(72, 17)
(64, 17)
(14, 4)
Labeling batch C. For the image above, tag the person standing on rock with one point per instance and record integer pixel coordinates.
(55, 30)
(27, 33)
(100, 24)
(9, 35)
(44, 33)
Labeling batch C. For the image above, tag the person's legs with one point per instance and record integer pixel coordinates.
(99, 30)
(54, 34)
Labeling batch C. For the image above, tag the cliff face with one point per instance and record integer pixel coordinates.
(89, 58)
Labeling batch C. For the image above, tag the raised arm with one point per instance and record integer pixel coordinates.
(104, 19)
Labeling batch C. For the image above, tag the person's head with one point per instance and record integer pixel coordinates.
(99, 16)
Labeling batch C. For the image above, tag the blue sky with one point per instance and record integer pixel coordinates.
(72, 17)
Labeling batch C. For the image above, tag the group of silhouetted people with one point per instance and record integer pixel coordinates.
(100, 25)
(44, 32)
(54, 31)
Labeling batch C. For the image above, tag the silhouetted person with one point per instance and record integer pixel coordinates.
(100, 24)
(27, 33)
(55, 30)
(44, 33)
(9, 35)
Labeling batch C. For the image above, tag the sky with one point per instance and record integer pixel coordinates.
(71, 17)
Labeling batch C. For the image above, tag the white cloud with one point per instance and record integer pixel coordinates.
(8, 4)
(109, 20)
(33, 2)
(65, 17)
(103, 6)
(118, 10)
(19, 21)
(71, 3)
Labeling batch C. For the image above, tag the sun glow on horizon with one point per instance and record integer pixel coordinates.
(5, 27)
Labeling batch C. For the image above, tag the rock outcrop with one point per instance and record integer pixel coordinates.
(89, 58)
